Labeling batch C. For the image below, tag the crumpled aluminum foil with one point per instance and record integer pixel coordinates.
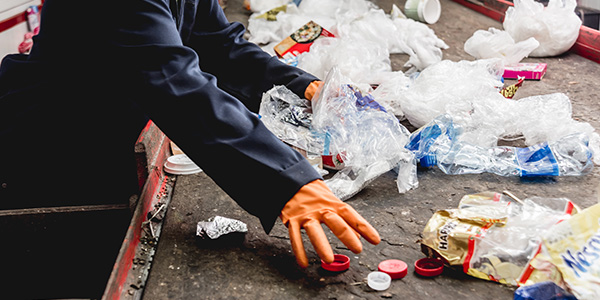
(218, 226)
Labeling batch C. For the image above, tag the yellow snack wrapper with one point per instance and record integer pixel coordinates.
(492, 238)
(570, 255)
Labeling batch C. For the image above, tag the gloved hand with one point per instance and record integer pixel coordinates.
(312, 89)
(314, 204)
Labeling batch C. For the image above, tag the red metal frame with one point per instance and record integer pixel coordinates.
(587, 44)
(157, 149)
(15, 20)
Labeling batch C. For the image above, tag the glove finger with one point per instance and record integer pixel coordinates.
(297, 245)
(343, 231)
(319, 240)
(359, 224)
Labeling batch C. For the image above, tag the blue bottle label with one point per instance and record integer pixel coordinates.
(537, 160)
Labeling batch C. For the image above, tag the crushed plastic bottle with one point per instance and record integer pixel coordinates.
(542, 291)
(438, 144)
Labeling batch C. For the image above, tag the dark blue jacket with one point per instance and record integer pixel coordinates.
(71, 111)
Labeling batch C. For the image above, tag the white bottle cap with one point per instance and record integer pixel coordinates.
(379, 281)
(180, 164)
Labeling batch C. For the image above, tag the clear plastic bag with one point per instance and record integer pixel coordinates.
(370, 140)
(555, 27)
(458, 85)
(439, 144)
(495, 43)
(289, 118)
(345, 122)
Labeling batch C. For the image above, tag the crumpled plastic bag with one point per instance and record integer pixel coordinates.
(289, 118)
(363, 31)
(457, 86)
(555, 27)
(346, 122)
(425, 47)
(468, 91)
(370, 140)
(495, 43)
(359, 60)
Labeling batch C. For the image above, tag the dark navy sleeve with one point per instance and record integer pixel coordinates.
(242, 68)
(216, 130)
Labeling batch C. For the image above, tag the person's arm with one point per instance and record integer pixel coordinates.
(243, 69)
(215, 130)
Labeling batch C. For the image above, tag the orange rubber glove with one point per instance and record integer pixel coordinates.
(314, 204)
(312, 89)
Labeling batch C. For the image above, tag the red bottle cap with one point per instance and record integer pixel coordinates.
(340, 263)
(394, 267)
(429, 267)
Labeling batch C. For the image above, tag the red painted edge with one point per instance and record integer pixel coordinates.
(529, 269)
(471, 250)
(587, 44)
(155, 182)
(9, 23)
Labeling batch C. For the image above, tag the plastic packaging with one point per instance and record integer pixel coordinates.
(290, 119)
(555, 27)
(495, 43)
(425, 47)
(366, 36)
(458, 86)
(438, 144)
(370, 140)
(570, 255)
(492, 237)
(345, 123)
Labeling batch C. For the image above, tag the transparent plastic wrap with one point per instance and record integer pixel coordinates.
(367, 33)
(439, 144)
(495, 43)
(289, 118)
(555, 27)
(370, 140)
(425, 46)
(458, 86)
(358, 60)
(491, 236)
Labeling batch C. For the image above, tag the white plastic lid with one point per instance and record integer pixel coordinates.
(379, 281)
(180, 164)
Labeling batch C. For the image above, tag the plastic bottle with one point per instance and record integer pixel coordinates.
(437, 144)
(542, 291)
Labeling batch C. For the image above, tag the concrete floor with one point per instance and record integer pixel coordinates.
(260, 266)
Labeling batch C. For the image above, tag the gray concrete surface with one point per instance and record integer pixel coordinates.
(260, 266)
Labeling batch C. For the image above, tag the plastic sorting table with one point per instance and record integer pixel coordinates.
(260, 266)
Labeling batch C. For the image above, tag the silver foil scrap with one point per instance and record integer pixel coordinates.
(218, 226)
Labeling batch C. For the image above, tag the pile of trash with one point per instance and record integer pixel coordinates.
(364, 37)
(353, 123)
(462, 111)
(498, 237)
